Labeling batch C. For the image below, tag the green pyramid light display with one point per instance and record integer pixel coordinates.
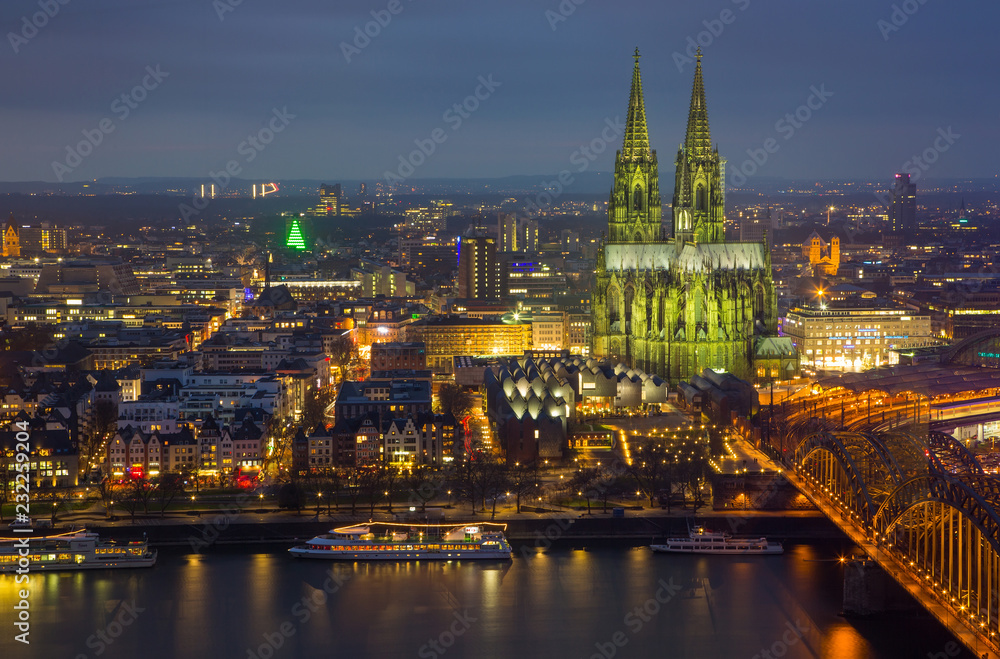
(295, 238)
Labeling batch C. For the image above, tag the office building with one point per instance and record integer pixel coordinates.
(478, 267)
(903, 205)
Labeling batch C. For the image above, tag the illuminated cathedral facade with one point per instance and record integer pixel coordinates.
(679, 303)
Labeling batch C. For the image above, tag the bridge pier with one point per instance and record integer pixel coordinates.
(868, 590)
(864, 588)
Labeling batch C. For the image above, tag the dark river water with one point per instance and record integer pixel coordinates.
(560, 603)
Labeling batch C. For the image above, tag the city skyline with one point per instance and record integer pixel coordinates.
(200, 79)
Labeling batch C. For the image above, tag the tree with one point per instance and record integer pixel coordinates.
(454, 400)
(390, 477)
(609, 481)
(494, 482)
(418, 480)
(342, 354)
(60, 501)
(168, 486)
(583, 483)
(135, 493)
(333, 484)
(108, 490)
(371, 485)
(522, 479)
(290, 495)
(189, 473)
(468, 480)
(649, 466)
(355, 479)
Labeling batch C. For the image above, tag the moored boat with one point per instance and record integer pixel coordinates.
(72, 550)
(378, 541)
(700, 541)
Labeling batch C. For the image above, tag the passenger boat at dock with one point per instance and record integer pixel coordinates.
(73, 550)
(700, 541)
(380, 541)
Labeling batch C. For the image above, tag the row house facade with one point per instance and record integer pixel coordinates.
(213, 451)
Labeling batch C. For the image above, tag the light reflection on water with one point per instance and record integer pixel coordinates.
(553, 604)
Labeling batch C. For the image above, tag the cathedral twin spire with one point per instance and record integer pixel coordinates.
(698, 141)
(634, 207)
(636, 132)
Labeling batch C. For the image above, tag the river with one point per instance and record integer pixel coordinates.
(559, 603)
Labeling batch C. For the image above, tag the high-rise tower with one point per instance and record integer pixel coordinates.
(699, 193)
(634, 206)
(903, 207)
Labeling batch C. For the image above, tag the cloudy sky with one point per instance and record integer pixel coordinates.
(349, 106)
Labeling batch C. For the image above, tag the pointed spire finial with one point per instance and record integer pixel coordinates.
(637, 55)
(636, 143)
(699, 53)
(698, 140)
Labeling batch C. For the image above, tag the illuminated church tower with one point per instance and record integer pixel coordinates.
(634, 206)
(676, 307)
(699, 191)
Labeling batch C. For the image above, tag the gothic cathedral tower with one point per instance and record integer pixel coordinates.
(634, 212)
(677, 307)
(699, 191)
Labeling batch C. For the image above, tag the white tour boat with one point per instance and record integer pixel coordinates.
(700, 541)
(407, 542)
(74, 550)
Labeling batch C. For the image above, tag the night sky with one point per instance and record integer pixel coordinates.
(561, 75)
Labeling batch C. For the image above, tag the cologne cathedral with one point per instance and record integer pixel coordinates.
(677, 304)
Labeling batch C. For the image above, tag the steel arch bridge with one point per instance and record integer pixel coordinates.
(926, 507)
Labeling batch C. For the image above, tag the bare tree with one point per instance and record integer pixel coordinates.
(583, 484)
(522, 479)
(418, 480)
(391, 475)
(649, 466)
(135, 493)
(370, 482)
(354, 479)
(109, 490)
(494, 480)
(168, 486)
